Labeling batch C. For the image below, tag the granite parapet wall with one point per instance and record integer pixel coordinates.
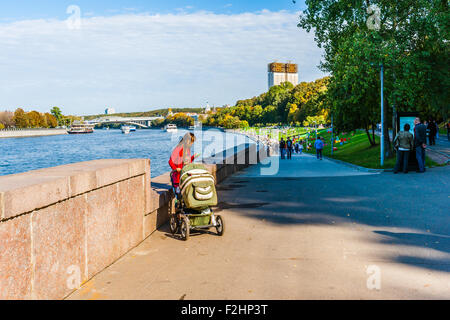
(61, 226)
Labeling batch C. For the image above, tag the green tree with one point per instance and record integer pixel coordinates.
(56, 112)
(412, 43)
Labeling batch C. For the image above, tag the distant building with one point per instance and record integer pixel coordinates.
(110, 111)
(208, 108)
(282, 72)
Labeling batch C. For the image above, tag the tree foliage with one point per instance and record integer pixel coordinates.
(283, 104)
(32, 119)
(411, 43)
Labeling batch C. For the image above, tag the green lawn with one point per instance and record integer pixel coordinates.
(357, 150)
(277, 133)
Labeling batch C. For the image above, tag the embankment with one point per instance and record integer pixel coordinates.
(23, 133)
(61, 226)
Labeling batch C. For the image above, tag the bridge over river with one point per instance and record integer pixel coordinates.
(143, 122)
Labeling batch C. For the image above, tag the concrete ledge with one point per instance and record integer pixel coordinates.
(61, 226)
(24, 192)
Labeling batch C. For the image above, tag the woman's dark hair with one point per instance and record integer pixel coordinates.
(406, 127)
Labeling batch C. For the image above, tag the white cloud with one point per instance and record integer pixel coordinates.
(137, 62)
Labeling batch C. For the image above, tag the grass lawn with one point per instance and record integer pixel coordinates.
(278, 133)
(357, 150)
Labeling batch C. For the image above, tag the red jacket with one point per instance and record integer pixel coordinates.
(176, 161)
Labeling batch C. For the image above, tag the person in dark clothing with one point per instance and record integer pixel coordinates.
(289, 146)
(420, 143)
(432, 135)
(404, 143)
(448, 130)
(282, 148)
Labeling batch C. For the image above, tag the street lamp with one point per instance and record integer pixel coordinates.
(382, 110)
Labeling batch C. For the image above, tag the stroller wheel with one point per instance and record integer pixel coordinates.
(220, 226)
(173, 224)
(185, 228)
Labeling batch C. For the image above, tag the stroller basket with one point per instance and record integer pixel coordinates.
(197, 187)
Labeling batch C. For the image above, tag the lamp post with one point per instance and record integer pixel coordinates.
(381, 66)
(332, 135)
(382, 114)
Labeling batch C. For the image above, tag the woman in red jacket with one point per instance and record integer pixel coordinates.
(181, 156)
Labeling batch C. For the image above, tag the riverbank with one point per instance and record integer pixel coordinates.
(25, 133)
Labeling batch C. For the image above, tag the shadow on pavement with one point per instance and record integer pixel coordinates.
(417, 202)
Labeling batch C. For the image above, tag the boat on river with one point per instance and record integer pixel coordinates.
(171, 127)
(81, 128)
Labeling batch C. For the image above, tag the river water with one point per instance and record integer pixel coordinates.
(25, 154)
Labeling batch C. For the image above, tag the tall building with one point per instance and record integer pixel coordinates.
(282, 72)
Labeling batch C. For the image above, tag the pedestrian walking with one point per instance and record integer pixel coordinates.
(437, 129)
(432, 132)
(318, 144)
(282, 148)
(297, 147)
(404, 143)
(420, 143)
(301, 147)
(289, 147)
(448, 130)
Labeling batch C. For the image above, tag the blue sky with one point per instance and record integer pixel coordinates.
(142, 55)
(44, 9)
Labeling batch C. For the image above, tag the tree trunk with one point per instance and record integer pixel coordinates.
(373, 134)
(371, 141)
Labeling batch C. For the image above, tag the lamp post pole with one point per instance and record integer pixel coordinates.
(382, 114)
(332, 134)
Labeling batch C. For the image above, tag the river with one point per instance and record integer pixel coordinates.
(25, 154)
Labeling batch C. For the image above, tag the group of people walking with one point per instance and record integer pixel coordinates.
(287, 147)
(405, 142)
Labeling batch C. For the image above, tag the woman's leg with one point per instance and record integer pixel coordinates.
(398, 162)
(405, 161)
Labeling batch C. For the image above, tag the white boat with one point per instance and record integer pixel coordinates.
(125, 129)
(81, 128)
(171, 127)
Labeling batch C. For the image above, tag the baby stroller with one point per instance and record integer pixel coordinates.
(194, 197)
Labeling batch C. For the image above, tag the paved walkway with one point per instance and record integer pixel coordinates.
(440, 152)
(316, 230)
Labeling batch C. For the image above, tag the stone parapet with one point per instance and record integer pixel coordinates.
(61, 226)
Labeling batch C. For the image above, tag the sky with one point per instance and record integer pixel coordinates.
(141, 55)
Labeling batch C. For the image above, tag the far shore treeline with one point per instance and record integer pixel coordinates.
(34, 119)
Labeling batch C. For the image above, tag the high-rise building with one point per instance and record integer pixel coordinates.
(282, 72)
